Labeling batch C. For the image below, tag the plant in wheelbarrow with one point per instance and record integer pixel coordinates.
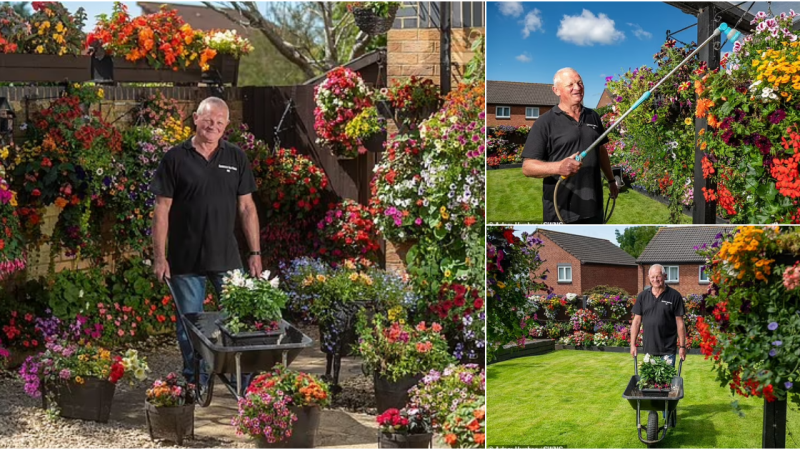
(282, 408)
(169, 408)
(398, 354)
(408, 427)
(252, 310)
(77, 379)
(656, 373)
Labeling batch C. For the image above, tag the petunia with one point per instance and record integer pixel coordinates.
(773, 326)
(777, 343)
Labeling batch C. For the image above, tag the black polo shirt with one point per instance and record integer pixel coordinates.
(204, 204)
(555, 136)
(658, 319)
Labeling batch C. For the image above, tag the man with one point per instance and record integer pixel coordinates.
(554, 141)
(661, 310)
(199, 186)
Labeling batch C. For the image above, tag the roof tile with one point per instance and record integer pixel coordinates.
(589, 249)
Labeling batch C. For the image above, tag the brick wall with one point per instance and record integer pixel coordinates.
(553, 255)
(620, 276)
(517, 115)
(688, 279)
(115, 108)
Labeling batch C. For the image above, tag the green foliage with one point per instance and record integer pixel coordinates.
(476, 67)
(251, 304)
(73, 292)
(656, 372)
(605, 289)
(634, 240)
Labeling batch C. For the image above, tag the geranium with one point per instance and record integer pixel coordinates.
(466, 426)
(441, 393)
(348, 232)
(396, 350)
(409, 420)
(339, 99)
(12, 245)
(251, 304)
(171, 391)
(584, 319)
(14, 30)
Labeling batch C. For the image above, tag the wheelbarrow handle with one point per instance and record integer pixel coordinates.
(635, 366)
(680, 365)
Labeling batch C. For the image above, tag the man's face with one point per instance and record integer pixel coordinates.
(211, 123)
(656, 279)
(569, 88)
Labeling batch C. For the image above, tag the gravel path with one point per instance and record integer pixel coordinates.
(24, 424)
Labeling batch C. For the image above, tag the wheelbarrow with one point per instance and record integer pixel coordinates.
(217, 359)
(654, 401)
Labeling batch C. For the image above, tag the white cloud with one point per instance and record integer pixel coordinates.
(588, 29)
(524, 57)
(639, 32)
(532, 22)
(513, 9)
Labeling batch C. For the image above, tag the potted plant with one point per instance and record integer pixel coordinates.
(398, 354)
(412, 100)
(440, 392)
(282, 409)
(655, 376)
(465, 426)
(404, 428)
(78, 380)
(374, 17)
(339, 99)
(368, 128)
(252, 310)
(169, 408)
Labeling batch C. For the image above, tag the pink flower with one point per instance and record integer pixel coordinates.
(121, 332)
(791, 277)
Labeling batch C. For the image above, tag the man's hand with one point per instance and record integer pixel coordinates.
(682, 353)
(634, 352)
(569, 166)
(613, 189)
(161, 269)
(255, 265)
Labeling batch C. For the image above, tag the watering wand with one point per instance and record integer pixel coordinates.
(731, 34)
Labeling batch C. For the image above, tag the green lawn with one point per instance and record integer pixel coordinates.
(511, 197)
(574, 399)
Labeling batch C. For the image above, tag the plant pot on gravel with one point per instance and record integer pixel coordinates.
(90, 400)
(169, 409)
(304, 431)
(394, 440)
(252, 309)
(405, 428)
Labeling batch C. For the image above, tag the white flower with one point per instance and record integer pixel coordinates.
(100, 171)
(274, 282)
(250, 284)
(80, 294)
(236, 278)
(646, 357)
(668, 360)
(140, 374)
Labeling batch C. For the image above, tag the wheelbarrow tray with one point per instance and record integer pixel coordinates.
(648, 403)
(206, 339)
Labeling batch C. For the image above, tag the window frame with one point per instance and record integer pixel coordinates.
(700, 279)
(558, 275)
(497, 112)
(527, 117)
(678, 276)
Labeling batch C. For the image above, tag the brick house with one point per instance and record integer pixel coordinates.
(673, 248)
(517, 104)
(605, 99)
(579, 263)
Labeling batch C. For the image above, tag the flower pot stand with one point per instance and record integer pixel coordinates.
(88, 401)
(392, 440)
(304, 431)
(393, 394)
(171, 422)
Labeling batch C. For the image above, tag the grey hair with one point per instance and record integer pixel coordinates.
(557, 76)
(213, 102)
(663, 272)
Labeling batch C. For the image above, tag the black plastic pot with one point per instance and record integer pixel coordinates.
(655, 392)
(304, 431)
(392, 440)
(370, 23)
(375, 142)
(170, 422)
(88, 401)
(393, 394)
(248, 338)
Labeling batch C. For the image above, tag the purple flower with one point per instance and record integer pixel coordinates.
(777, 343)
(773, 326)
(773, 352)
(619, 99)
(776, 117)
(655, 117)
(788, 385)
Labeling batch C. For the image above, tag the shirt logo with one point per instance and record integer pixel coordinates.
(594, 127)
(228, 168)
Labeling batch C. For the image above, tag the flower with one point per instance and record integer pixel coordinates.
(773, 326)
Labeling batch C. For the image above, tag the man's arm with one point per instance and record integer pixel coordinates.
(605, 166)
(535, 168)
(160, 231)
(681, 336)
(635, 324)
(249, 216)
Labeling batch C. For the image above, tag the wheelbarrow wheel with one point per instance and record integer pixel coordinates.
(652, 427)
(204, 393)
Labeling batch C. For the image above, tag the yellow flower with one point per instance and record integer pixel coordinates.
(60, 27)
(101, 93)
(402, 321)
(367, 280)
(395, 313)
(4, 153)
(688, 121)
(445, 215)
(501, 285)
(76, 85)
(83, 358)
(353, 276)
(13, 200)
(321, 278)
(79, 380)
(447, 273)
(39, 49)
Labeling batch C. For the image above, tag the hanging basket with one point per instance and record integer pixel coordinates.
(373, 24)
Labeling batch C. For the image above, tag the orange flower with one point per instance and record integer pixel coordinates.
(703, 106)
(713, 122)
(474, 426)
(61, 202)
(479, 438)
(479, 414)
(450, 439)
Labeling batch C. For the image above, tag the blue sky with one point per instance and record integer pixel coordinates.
(530, 41)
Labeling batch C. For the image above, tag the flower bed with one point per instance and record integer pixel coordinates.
(504, 144)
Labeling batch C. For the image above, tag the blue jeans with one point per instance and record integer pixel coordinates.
(190, 292)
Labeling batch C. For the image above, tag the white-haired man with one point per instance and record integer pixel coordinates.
(200, 185)
(553, 142)
(660, 309)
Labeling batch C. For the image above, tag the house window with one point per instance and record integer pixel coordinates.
(703, 277)
(532, 112)
(564, 273)
(672, 274)
(503, 112)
